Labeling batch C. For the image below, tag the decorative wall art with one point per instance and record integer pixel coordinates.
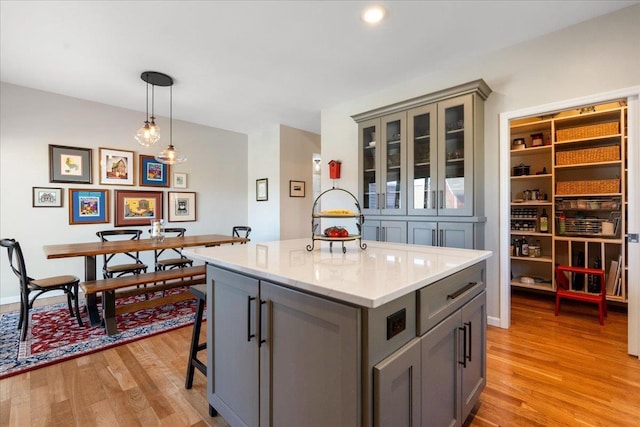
(70, 164)
(182, 206)
(152, 172)
(296, 188)
(116, 167)
(137, 207)
(262, 189)
(45, 197)
(179, 180)
(88, 206)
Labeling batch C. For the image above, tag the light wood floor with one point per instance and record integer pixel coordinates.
(543, 371)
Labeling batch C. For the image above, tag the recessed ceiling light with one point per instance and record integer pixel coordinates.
(373, 14)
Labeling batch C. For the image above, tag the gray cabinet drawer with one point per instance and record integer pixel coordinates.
(439, 300)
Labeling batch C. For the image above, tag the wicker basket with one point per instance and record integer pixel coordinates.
(588, 155)
(590, 131)
(597, 186)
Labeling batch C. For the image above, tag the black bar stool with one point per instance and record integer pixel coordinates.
(200, 291)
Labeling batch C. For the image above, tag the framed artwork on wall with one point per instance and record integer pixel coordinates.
(46, 197)
(182, 206)
(70, 164)
(88, 206)
(137, 207)
(116, 167)
(296, 188)
(152, 172)
(179, 180)
(262, 189)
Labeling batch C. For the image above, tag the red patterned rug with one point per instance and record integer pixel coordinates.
(54, 335)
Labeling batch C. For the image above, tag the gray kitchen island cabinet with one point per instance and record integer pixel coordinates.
(322, 338)
(282, 357)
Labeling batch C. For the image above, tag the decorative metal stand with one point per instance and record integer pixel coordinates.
(315, 224)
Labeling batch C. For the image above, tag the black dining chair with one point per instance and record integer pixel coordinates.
(241, 231)
(178, 260)
(136, 267)
(67, 284)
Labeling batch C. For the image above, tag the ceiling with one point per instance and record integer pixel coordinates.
(247, 65)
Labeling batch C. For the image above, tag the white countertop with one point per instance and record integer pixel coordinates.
(368, 278)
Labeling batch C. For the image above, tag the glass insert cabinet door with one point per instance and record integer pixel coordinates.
(383, 157)
(455, 157)
(422, 171)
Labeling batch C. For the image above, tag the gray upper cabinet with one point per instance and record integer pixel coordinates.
(423, 160)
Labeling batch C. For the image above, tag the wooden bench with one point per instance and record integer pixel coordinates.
(120, 287)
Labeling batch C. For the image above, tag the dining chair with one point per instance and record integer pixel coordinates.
(136, 267)
(67, 284)
(170, 263)
(237, 230)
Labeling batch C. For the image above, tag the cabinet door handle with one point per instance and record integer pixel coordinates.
(442, 242)
(461, 291)
(469, 337)
(249, 334)
(434, 241)
(441, 199)
(384, 234)
(433, 199)
(384, 200)
(377, 234)
(377, 200)
(464, 346)
(261, 336)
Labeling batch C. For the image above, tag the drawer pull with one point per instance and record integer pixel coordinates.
(459, 292)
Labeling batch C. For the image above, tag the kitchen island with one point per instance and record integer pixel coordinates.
(391, 335)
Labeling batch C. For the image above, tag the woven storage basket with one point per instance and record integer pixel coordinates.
(590, 131)
(588, 155)
(597, 186)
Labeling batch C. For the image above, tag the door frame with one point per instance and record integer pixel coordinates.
(633, 199)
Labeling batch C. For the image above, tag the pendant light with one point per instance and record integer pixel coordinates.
(149, 133)
(170, 156)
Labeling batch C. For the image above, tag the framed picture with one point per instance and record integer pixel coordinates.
(179, 180)
(296, 188)
(70, 164)
(88, 206)
(44, 197)
(182, 206)
(152, 172)
(262, 189)
(137, 207)
(116, 167)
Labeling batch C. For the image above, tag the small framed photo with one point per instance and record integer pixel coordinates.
(182, 206)
(70, 164)
(116, 167)
(179, 180)
(137, 207)
(88, 206)
(45, 197)
(152, 172)
(296, 188)
(262, 189)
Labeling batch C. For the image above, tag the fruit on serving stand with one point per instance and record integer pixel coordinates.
(336, 232)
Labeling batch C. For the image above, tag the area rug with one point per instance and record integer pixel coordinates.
(55, 336)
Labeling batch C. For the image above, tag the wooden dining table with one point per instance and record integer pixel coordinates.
(89, 250)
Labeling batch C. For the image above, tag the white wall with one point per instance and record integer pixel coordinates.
(296, 153)
(592, 57)
(31, 120)
(264, 162)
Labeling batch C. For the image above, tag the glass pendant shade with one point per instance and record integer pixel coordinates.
(170, 156)
(148, 134)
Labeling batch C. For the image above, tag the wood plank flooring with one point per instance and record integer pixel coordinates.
(543, 371)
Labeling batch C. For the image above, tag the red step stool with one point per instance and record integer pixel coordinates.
(563, 290)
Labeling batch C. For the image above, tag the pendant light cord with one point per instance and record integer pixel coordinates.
(171, 115)
(147, 104)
